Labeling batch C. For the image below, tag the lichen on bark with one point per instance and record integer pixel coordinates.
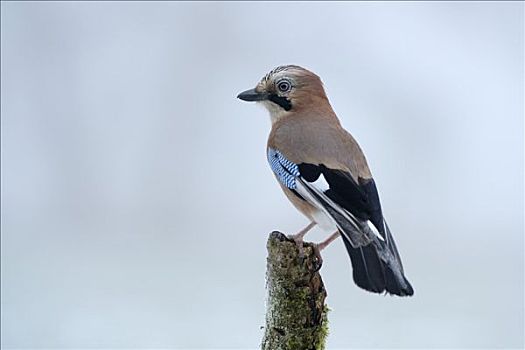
(296, 315)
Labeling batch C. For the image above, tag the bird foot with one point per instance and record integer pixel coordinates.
(298, 238)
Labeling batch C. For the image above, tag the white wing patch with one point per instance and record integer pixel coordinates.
(321, 184)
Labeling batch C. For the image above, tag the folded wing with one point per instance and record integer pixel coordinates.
(356, 210)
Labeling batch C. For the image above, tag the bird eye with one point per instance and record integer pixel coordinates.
(284, 86)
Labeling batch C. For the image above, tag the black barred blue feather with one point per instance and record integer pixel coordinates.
(286, 171)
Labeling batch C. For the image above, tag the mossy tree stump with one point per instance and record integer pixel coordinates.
(296, 311)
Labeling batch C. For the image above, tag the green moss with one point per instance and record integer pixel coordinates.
(323, 330)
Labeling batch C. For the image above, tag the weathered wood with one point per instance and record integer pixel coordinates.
(296, 315)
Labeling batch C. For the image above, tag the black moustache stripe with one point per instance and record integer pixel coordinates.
(281, 101)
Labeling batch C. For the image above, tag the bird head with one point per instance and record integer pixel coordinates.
(287, 89)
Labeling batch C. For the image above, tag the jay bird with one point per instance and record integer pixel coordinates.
(324, 173)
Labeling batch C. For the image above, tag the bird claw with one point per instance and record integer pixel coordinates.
(298, 239)
(318, 262)
(299, 243)
(318, 259)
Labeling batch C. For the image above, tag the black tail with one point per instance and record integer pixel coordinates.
(377, 268)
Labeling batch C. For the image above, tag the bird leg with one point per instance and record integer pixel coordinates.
(320, 246)
(298, 238)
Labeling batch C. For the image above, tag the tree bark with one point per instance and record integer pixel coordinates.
(296, 315)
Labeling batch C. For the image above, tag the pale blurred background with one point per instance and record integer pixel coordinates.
(136, 198)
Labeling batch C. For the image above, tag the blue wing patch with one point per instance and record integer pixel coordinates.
(285, 170)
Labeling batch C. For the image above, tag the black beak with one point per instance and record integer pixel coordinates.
(252, 95)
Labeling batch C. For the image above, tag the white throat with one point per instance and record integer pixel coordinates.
(276, 112)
